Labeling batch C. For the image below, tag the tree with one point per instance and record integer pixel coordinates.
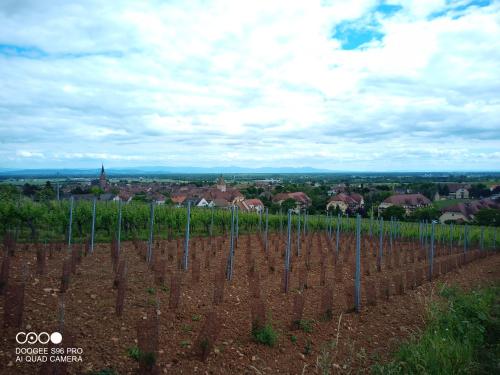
(488, 216)
(427, 213)
(396, 212)
(288, 204)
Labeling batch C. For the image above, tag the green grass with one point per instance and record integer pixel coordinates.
(306, 325)
(448, 202)
(265, 335)
(462, 337)
(134, 353)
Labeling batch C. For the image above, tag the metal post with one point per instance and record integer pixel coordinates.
(337, 237)
(92, 231)
(266, 231)
(298, 234)
(119, 224)
(431, 255)
(288, 250)
(358, 265)
(186, 241)
(151, 229)
(381, 244)
(229, 269)
(71, 202)
(237, 219)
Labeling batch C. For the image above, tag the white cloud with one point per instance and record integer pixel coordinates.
(260, 84)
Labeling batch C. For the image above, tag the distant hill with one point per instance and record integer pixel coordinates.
(136, 171)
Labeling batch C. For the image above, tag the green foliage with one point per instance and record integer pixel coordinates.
(488, 216)
(195, 318)
(185, 343)
(293, 338)
(265, 335)
(427, 213)
(187, 328)
(151, 290)
(396, 212)
(306, 325)
(462, 337)
(134, 353)
(288, 204)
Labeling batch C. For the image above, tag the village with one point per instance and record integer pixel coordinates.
(443, 201)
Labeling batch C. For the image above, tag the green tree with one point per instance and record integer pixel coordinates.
(488, 216)
(288, 204)
(396, 212)
(427, 213)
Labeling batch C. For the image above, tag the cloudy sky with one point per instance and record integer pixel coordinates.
(343, 85)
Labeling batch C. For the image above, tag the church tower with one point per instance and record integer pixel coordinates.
(221, 184)
(102, 179)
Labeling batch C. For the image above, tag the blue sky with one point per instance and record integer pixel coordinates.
(342, 85)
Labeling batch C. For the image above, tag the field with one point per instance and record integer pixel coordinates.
(112, 304)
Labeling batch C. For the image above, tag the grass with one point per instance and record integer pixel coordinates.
(134, 353)
(265, 335)
(305, 325)
(196, 318)
(448, 202)
(462, 337)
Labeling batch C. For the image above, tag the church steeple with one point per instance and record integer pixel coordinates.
(102, 178)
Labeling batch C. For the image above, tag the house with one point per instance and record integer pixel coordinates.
(203, 203)
(301, 199)
(346, 202)
(252, 205)
(458, 191)
(465, 211)
(221, 203)
(158, 198)
(409, 202)
(178, 200)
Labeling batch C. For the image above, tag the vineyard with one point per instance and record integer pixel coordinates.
(145, 289)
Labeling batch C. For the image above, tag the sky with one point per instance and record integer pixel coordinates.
(342, 85)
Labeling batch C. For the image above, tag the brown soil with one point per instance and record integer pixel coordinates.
(362, 338)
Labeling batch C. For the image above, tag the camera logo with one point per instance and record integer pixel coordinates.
(40, 338)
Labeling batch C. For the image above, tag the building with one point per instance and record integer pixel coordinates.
(301, 199)
(346, 203)
(103, 183)
(458, 191)
(251, 205)
(221, 184)
(409, 202)
(465, 212)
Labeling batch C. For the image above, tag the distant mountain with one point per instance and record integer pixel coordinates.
(148, 170)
